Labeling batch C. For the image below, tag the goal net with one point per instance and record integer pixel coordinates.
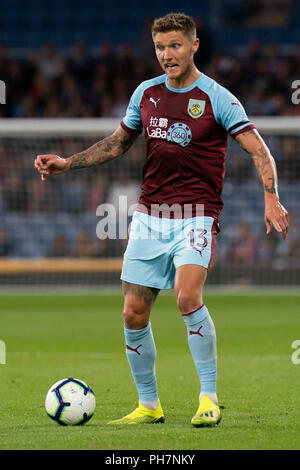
(54, 233)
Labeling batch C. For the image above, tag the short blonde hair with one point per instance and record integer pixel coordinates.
(175, 22)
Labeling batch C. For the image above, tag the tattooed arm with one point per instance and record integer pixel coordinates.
(103, 151)
(275, 213)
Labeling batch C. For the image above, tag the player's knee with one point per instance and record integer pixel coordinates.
(188, 301)
(135, 315)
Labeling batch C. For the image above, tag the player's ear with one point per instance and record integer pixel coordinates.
(196, 43)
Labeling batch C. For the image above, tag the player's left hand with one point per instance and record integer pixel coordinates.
(277, 216)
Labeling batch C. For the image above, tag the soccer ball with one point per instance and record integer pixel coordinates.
(70, 401)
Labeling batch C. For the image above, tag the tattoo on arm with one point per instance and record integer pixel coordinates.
(263, 160)
(271, 188)
(266, 170)
(103, 151)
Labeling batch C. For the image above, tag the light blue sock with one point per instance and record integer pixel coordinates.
(141, 355)
(202, 344)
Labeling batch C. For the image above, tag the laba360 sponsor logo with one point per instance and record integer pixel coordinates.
(178, 133)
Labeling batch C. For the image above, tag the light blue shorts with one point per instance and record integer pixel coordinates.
(157, 246)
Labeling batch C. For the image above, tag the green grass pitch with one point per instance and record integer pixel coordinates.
(52, 336)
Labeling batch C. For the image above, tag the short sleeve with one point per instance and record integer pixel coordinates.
(231, 114)
(132, 122)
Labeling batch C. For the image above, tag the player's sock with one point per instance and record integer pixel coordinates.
(202, 344)
(141, 355)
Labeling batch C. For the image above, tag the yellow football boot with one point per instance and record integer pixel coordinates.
(142, 415)
(208, 414)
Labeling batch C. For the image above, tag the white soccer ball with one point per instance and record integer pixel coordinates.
(70, 401)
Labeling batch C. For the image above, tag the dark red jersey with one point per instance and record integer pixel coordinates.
(186, 132)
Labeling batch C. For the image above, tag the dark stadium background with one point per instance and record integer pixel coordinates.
(83, 59)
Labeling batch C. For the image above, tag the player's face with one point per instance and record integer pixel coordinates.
(175, 53)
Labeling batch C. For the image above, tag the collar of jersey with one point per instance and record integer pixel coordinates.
(183, 90)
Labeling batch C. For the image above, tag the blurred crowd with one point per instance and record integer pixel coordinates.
(98, 82)
(59, 218)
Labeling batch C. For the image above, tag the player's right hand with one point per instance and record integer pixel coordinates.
(50, 165)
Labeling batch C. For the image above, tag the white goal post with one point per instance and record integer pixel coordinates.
(273, 125)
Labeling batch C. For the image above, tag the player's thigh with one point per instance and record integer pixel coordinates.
(138, 302)
(189, 284)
